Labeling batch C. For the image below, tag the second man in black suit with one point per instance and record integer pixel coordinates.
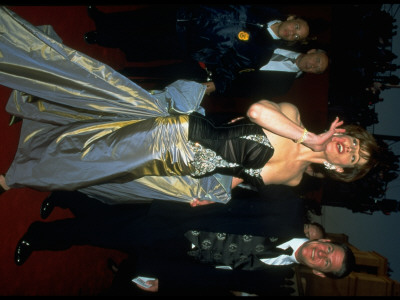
(161, 234)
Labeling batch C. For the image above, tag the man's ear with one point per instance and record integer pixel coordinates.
(325, 240)
(318, 273)
(291, 17)
(311, 51)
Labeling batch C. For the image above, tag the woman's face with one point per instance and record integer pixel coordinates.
(313, 232)
(344, 151)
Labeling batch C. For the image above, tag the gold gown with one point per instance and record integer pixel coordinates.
(88, 128)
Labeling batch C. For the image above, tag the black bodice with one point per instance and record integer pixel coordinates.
(242, 145)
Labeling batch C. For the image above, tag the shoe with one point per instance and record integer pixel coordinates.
(90, 37)
(23, 251)
(47, 207)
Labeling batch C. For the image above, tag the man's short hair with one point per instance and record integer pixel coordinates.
(349, 262)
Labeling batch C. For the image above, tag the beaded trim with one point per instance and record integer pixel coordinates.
(253, 172)
(206, 160)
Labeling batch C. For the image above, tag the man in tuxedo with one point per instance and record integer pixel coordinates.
(247, 232)
(223, 38)
(277, 77)
(271, 80)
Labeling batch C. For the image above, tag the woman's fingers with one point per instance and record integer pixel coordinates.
(196, 202)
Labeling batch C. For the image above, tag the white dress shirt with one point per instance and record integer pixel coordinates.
(286, 259)
(270, 23)
(284, 66)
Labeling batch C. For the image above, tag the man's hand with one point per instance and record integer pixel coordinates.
(153, 288)
(210, 87)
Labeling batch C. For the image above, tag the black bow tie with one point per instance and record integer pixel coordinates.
(279, 251)
(288, 251)
(276, 252)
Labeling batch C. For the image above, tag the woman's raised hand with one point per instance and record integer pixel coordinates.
(318, 142)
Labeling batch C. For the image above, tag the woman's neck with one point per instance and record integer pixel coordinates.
(306, 154)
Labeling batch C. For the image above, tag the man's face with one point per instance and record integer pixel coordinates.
(321, 256)
(293, 29)
(313, 62)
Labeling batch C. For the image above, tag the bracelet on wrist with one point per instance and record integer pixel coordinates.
(303, 137)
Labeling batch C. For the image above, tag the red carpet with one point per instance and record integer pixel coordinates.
(82, 270)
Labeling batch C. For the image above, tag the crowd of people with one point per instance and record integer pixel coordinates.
(364, 64)
(148, 173)
(362, 70)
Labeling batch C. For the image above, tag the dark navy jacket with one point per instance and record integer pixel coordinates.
(227, 38)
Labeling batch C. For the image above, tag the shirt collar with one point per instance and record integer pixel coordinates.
(295, 244)
(274, 36)
(287, 53)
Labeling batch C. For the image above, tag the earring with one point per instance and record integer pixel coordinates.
(329, 166)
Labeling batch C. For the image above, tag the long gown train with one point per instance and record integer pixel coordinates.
(86, 127)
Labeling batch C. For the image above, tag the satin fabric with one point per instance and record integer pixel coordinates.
(87, 127)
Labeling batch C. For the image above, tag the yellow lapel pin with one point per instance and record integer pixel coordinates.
(243, 36)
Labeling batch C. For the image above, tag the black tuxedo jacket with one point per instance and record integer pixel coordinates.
(278, 215)
(155, 232)
(180, 277)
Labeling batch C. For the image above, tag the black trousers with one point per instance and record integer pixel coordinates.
(95, 223)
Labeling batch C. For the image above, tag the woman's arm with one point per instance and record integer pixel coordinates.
(284, 119)
(270, 116)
